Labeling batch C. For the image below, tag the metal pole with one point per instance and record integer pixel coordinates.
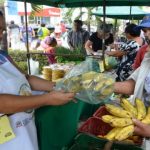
(115, 26)
(130, 14)
(27, 41)
(103, 40)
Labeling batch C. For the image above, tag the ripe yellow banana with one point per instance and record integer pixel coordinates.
(125, 133)
(100, 78)
(117, 111)
(99, 85)
(141, 110)
(129, 107)
(112, 133)
(109, 81)
(146, 120)
(120, 122)
(88, 75)
(107, 91)
(86, 84)
(107, 118)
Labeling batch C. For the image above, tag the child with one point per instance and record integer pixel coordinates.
(49, 44)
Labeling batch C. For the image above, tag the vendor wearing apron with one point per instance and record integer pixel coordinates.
(17, 128)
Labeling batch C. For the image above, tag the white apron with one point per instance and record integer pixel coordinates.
(14, 82)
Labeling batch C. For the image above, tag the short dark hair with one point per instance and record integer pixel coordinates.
(104, 27)
(42, 24)
(132, 30)
(78, 22)
(12, 22)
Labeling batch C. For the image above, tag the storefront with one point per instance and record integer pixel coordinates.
(15, 11)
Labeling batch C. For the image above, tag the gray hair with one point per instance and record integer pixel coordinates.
(104, 27)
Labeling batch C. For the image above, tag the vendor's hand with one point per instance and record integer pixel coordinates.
(141, 128)
(60, 98)
(52, 84)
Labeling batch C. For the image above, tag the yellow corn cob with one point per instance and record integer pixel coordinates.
(146, 120)
(141, 110)
(120, 122)
(117, 111)
(129, 107)
(107, 118)
(125, 133)
(112, 133)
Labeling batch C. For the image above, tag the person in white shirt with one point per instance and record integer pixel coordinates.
(17, 102)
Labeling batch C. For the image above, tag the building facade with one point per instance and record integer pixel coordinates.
(15, 11)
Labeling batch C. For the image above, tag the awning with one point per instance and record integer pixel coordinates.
(46, 12)
(122, 12)
(88, 3)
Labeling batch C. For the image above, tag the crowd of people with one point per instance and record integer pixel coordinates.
(17, 101)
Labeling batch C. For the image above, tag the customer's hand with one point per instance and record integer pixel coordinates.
(108, 52)
(59, 98)
(141, 128)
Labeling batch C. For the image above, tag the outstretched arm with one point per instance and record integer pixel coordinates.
(125, 87)
(39, 84)
(12, 103)
(116, 53)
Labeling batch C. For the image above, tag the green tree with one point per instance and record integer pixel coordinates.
(69, 12)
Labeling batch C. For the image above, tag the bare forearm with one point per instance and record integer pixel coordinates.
(40, 84)
(126, 87)
(88, 47)
(115, 53)
(11, 103)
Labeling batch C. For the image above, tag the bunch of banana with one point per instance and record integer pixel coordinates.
(88, 75)
(141, 109)
(129, 107)
(112, 133)
(124, 133)
(116, 121)
(121, 118)
(98, 83)
(146, 120)
(72, 84)
(117, 111)
(107, 118)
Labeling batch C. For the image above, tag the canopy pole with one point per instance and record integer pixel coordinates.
(115, 26)
(130, 12)
(27, 44)
(103, 40)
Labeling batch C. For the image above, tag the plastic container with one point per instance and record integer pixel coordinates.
(95, 126)
(101, 112)
(88, 110)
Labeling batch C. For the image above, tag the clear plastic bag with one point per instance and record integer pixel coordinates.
(34, 66)
(90, 64)
(90, 86)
